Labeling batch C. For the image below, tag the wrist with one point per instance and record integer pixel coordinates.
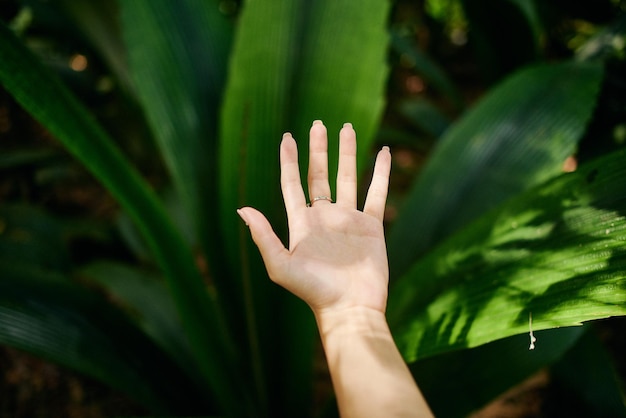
(349, 322)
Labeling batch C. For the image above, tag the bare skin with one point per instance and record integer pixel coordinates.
(337, 263)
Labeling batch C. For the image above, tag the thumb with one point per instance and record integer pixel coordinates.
(272, 249)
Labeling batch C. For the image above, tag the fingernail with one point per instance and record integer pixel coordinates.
(386, 148)
(347, 125)
(286, 135)
(242, 216)
(317, 122)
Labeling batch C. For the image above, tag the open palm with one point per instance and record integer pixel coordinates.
(336, 257)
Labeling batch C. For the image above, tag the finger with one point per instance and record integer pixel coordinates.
(377, 193)
(290, 183)
(346, 171)
(318, 163)
(274, 254)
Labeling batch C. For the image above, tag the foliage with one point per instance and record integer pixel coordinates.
(491, 233)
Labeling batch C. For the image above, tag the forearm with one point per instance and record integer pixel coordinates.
(369, 375)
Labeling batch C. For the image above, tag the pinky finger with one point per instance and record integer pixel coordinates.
(377, 192)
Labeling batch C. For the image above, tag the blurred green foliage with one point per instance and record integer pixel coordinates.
(506, 121)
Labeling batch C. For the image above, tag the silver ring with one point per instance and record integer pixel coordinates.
(320, 198)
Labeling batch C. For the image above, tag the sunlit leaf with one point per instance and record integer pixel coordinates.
(554, 255)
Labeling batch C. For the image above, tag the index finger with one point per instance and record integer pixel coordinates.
(293, 195)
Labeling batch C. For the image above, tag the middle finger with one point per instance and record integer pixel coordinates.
(346, 171)
(318, 163)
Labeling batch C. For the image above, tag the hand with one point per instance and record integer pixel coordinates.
(337, 263)
(337, 257)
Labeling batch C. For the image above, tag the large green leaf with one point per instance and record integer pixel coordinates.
(177, 55)
(556, 252)
(516, 137)
(45, 314)
(52, 104)
(292, 62)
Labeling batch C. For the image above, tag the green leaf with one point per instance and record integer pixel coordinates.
(292, 62)
(556, 252)
(48, 316)
(52, 104)
(517, 136)
(177, 55)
